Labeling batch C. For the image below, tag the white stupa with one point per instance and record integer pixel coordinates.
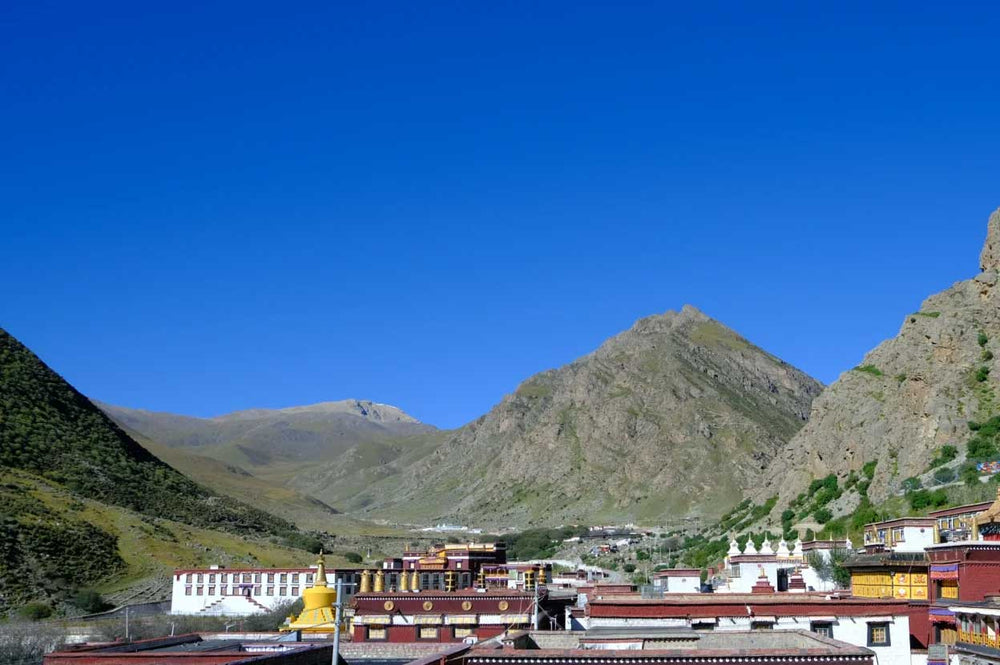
(783, 548)
(765, 547)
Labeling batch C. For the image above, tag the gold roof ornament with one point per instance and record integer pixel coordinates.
(317, 605)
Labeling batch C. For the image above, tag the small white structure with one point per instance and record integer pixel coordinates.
(742, 569)
(677, 580)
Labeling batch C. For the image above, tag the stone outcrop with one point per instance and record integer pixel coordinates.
(989, 259)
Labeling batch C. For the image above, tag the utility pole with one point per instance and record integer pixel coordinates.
(534, 613)
(126, 624)
(338, 609)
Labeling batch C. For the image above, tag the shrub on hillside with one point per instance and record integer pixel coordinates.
(924, 499)
(944, 475)
(944, 455)
(34, 611)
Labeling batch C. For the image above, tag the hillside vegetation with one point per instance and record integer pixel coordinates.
(51, 430)
(82, 504)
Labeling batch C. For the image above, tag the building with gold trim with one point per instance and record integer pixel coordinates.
(443, 616)
(452, 567)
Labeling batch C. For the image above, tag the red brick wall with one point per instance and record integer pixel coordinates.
(404, 634)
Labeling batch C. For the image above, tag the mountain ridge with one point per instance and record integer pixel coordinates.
(628, 403)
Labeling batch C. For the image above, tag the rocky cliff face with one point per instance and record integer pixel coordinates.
(677, 416)
(909, 396)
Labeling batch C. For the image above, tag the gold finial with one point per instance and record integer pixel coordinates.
(761, 569)
(320, 578)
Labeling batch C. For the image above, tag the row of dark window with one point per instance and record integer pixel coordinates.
(238, 591)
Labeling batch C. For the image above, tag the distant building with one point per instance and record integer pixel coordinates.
(955, 524)
(457, 566)
(677, 580)
(906, 534)
(243, 591)
(193, 650)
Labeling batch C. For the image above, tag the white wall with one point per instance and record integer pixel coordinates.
(749, 572)
(678, 584)
(236, 605)
(915, 539)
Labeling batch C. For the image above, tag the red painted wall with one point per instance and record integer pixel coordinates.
(920, 625)
(406, 634)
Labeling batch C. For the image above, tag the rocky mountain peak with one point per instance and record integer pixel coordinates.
(676, 416)
(989, 259)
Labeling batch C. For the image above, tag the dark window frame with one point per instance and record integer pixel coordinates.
(888, 635)
(824, 628)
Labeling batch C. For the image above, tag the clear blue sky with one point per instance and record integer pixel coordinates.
(217, 206)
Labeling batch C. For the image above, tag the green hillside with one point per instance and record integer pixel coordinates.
(83, 505)
(53, 543)
(49, 429)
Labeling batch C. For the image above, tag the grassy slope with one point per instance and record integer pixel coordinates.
(304, 511)
(142, 547)
(49, 429)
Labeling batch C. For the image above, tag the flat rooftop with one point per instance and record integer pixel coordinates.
(695, 645)
(193, 650)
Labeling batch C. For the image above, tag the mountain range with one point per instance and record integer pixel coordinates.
(677, 416)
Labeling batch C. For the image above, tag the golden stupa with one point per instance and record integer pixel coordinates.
(317, 614)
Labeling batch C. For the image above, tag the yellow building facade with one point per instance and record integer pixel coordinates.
(888, 583)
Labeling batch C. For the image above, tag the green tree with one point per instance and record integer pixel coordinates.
(90, 601)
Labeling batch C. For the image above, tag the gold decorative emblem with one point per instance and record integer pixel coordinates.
(389, 605)
(428, 606)
(503, 605)
(467, 605)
